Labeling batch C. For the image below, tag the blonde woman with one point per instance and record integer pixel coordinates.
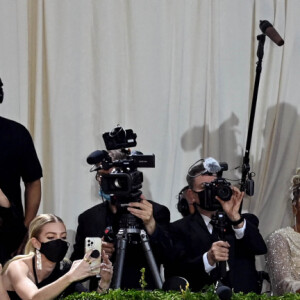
(42, 273)
(283, 257)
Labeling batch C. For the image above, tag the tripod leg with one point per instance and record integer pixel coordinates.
(150, 258)
(120, 257)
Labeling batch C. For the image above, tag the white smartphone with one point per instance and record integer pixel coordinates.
(94, 243)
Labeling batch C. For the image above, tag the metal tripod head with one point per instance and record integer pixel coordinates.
(219, 222)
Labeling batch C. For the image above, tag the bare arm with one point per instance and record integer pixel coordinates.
(3, 200)
(3, 293)
(27, 290)
(32, 200)
(17, 274)
(32, 203)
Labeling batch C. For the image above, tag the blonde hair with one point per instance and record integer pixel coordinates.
(34, 231)
(295, 187)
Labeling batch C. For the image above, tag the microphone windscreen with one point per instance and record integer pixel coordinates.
(268, 29)
(174, 283)
(97, 156)
(224, 292)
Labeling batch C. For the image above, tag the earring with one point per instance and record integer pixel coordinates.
(38, 259)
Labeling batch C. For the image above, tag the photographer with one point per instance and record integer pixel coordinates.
(192, 247)
(103, 219)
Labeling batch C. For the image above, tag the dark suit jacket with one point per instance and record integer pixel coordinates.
(188, 239)
(94, 221)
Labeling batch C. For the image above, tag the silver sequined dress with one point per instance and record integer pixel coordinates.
(283, 260)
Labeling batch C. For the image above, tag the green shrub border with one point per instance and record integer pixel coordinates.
(209, 294)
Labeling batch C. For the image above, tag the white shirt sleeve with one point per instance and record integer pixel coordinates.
(207, 266)
(239, 232)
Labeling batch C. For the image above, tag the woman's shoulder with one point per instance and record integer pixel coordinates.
(14, 269)
(281, 233)
(21, 264)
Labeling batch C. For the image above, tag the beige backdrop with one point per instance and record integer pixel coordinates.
(180, 73)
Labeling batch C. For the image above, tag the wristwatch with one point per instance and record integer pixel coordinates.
(237, 222)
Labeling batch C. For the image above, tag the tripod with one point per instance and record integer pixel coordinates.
(131, 227)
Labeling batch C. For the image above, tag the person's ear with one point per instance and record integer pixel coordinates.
(35, 243)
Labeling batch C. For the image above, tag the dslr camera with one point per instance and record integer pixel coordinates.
(219, 187)
(125, 181)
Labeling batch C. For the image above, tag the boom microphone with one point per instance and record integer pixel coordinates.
(97, 156)
(224, 292)
(267, 28)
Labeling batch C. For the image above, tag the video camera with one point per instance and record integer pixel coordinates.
(124, 181)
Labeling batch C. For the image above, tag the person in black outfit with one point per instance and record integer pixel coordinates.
(106, 216)
(43, 272)
(192, 248)
(18, 160)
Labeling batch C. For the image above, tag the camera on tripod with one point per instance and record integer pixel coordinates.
(219, 187)
(125, 181)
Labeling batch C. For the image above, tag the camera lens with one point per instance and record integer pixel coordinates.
(224, 192)
(118, 183)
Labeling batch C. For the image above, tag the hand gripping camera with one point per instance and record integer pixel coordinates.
(219, 187)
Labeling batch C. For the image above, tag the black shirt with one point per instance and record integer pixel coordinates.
(18, 160)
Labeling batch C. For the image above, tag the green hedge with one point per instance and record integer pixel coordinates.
(161, 295)
(185, 294)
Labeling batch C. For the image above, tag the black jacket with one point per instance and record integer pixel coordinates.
(94, 221)
(188, 239)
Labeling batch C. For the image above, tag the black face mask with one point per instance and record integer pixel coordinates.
(55, 250)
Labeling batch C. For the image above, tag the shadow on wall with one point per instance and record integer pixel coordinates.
(279, 160)
(280, 151)
(220, 143)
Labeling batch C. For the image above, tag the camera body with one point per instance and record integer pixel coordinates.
(219, 187)
(125, 181)
(119, 138)
(122, 183)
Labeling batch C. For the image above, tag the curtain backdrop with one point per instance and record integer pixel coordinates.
(180, 73)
